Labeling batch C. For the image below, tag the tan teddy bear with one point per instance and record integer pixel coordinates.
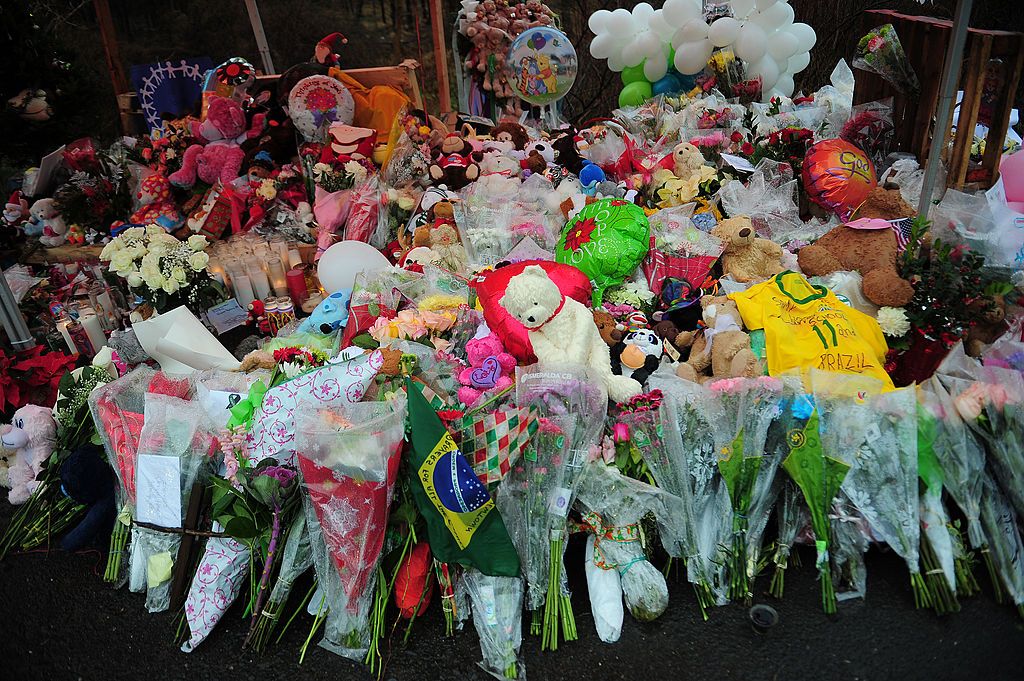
(872, 252)
(747, 257)
(723, 347)
(686, 160)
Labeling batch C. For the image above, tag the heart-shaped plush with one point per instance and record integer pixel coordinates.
(486, 375)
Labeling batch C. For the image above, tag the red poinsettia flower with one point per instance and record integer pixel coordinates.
(579, 234)
(10, 393)
(747, 148)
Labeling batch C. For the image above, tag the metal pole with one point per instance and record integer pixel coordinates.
(947, 95)
(17, 330)
(261, 37)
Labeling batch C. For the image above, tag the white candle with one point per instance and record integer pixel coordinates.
(94, 330)
(243, 290)
(260, 283)
(294, 258)
(62, 326)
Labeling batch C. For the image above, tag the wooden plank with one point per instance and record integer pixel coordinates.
(61, 254)
(110, 49)
(980, 47)
(437, 28)
(1001, 117)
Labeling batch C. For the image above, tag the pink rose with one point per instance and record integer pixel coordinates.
(971, 401)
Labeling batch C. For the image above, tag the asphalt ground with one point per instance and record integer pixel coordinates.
(61, 621)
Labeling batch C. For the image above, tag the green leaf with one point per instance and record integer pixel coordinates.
(241, 528)
(365, 341)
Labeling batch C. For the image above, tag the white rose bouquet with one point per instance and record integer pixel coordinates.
(162, 270)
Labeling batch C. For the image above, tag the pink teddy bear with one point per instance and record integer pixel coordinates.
(220, 156)
(27, 444)
(490, 369)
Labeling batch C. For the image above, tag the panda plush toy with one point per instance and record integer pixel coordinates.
(638, 355)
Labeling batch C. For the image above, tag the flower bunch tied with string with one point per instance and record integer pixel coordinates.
(163, 271)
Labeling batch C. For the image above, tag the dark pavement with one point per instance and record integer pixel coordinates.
(62, 622)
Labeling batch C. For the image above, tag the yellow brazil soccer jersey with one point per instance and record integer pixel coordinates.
(807, 327)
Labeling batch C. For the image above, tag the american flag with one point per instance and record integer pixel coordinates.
(902, 229)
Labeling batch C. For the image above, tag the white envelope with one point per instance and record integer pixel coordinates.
(181, 344)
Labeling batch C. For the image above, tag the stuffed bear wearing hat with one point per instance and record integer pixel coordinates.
(872, 252)
(561, 329)
(724, 347)
(27, 442)
(747, 257)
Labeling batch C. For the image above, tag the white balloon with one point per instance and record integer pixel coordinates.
(768, 70)
(598, 21)
(784, 84)
(772, 17)
(659, 26)
(655, 68)
(742, 8)
(632, 54)
(615, 63)
(798, 62)
(691, 32)
(764, 4)
(339, 265)
(724, 31)
(620, 23)
(649, 42)
(641, 13)
(678, 12)
(601, 46)
(805, 36)
(782, 45)
(692, 57)
(751, 43)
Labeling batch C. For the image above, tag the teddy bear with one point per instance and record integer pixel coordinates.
(610, 330)
(990, 324)
(155, 204)
(86, 478)
(455, 164)
(30, 437)
(442, 238)
(723, 347)
(538, 155)
(46, 215)
(686, 160)
(498, 174)
(562, 330)
(747, 257)
(872, 252)
(220, 155)
(567, 154)
(490, 369)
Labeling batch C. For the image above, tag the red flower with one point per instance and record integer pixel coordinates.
(747, 148)
(773, 138)
(579, 234)
(286, 354)
(736, 136)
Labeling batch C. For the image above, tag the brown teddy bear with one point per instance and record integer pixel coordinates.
(989, 326)
(723, 347)
(607, 326)
(747, 257)
(872, 252)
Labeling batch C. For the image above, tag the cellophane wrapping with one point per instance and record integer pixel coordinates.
(348, 458)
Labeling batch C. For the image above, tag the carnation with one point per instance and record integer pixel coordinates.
(893, 321)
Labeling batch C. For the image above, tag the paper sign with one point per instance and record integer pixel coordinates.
(219, 402)
(739, 163)
(227, 315)
(40, 180)
(558, 504)
(158, 490)
(181, 344)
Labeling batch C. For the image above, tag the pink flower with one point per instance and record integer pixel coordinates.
(437, 322)
(410, 325)
(231, 467)
(620, 432)
(875, 43)
(971, 401)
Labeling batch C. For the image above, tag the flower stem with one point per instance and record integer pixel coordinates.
(268, 567)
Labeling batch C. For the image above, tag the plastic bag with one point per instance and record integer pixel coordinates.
(881, 52)
(837, 98)
(497, 616)
(770, 199)
(605, 590)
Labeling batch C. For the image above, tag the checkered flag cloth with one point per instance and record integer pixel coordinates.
(493, 442)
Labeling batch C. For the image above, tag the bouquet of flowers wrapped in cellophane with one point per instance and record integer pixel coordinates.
(742, 410)
(348, 457)
(541, 488)
(173, 448)
(881, 52)
(704, 524)
(876, 434)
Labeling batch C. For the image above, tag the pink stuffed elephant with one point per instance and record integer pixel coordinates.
(490, 369)
(220, 156)
(27, 443)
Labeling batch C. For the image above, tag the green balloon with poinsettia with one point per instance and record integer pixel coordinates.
(607, 240)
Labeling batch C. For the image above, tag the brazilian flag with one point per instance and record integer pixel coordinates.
(463, 525)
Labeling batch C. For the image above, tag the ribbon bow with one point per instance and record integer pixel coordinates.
(593, 523)
(325, 116)
(243, 412)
